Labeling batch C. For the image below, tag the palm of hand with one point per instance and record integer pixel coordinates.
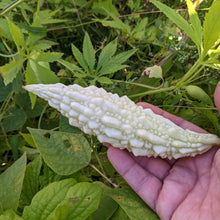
(187, 188)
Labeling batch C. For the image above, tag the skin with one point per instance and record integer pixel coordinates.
(187, 188)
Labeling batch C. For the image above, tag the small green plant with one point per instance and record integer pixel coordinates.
(101, 71)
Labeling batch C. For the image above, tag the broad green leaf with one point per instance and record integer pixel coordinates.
(48, 176)
(120, 214)
(65, 153)
(72, 67)
(10, 70)
(37, 72)
(107, 52)
(89, 52)
(11, 184)
(17, 35)
(48, 56)
(211, 30)
(14, 119)
(132, 204)
(106, 209)
(104, 80)
(80, 59)
(81, 200)
(31, 181)
(10, 215)
(177, 19)
(196, 24)
(47, 200)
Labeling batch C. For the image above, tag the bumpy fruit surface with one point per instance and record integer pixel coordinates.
(123, 124)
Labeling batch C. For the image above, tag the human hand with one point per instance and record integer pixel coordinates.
(187, 188)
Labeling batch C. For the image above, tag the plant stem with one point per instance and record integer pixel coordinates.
(105, 177)
(190, 74)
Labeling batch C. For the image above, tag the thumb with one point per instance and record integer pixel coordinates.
(217, 96)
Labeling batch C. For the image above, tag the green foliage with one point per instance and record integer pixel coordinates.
(64, 153)
(11, 184)
(129, 48)
(108, 63)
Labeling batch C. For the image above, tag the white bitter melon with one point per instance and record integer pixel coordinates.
(123, 124)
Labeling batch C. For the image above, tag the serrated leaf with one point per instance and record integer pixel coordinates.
(79, 57)
(88, 52)
(17, 35)
(196, 24)
(104, 80)
(10, 71)
(106, 54)
(117, 23)
(65, 153)
(114, 64)
(48, 56)
(177, 19)
(11, 184)
(10, 215)
(81, 200)
(47, 200)
(31, 181)
(211, 30)
(72, 67)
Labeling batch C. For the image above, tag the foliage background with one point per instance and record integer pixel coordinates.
(71, 42)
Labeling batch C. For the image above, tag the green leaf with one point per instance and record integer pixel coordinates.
(132, 204)
(17, 35)
(48, 56)
(11, 184)
(154, 72)
(5, 90)
(196, 24)
(106, 54)
(14, 119)
(31, 181)
(104, 80)
(66, 127)
(37, 72)
(114, 64)
(64, 153)
(9, 215)
(81, 200)
(4, 30)
(211, 30)
(72, 67)
(117, 23)
(120, 214)
(106, 209)
(10, 70)
(177, 19)
(80, 59)
(47, 200)
(88, 52)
